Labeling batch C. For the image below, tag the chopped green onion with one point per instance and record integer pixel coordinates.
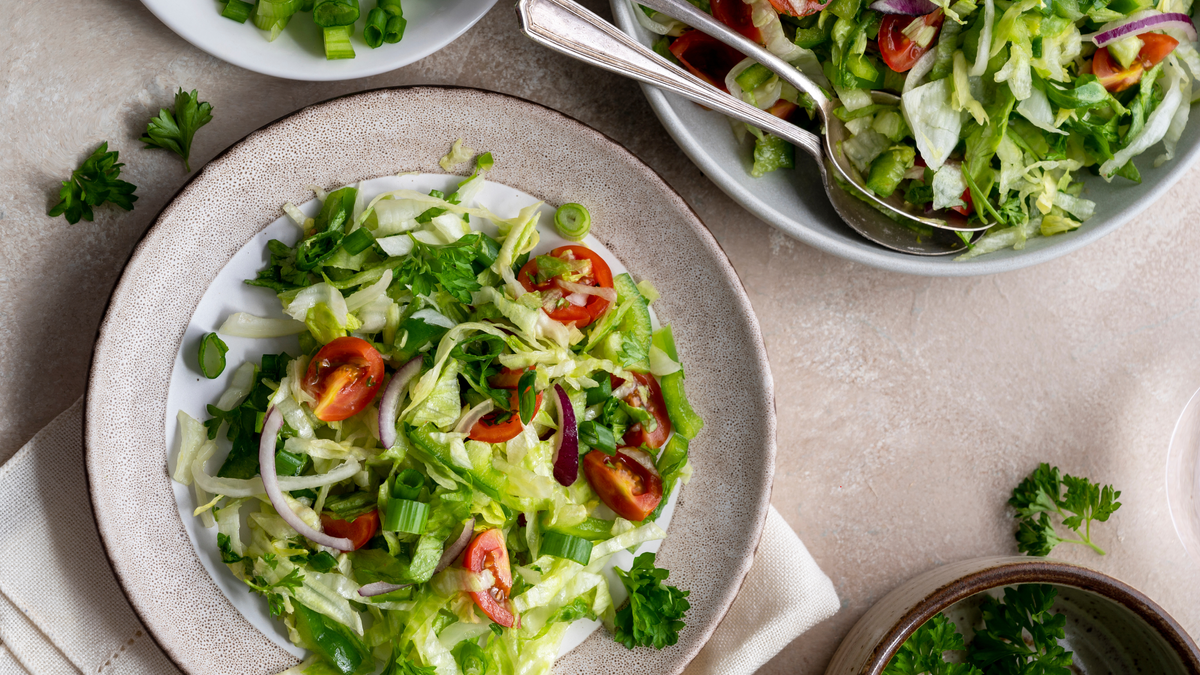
(566, 546)
(408, 484)
(332, 13)
(355, 501)
(273, 15)
(237, 10)
(212, 356)
(287, 464)
(376, 26)
(572, 221)
(405, 515)
(358, 241)
(602, 392)
(527, 395)
(597, 436)
(396, 21)
(750, 78)
(337, 42)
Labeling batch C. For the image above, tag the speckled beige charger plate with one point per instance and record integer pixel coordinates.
(719, 516)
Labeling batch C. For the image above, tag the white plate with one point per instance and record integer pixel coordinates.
(191, 392)
(299, 53)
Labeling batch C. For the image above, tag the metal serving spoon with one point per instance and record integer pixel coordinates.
(569, 28)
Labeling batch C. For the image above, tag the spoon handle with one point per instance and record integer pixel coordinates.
(567, 27)
(686, 12)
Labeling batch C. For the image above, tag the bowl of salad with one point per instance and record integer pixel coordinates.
(1054, 122)
(320, 40)
(1015, 615)
(486, 456)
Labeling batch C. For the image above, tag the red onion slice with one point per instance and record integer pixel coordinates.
(641, 457)
(389, 405)
(380, 588)
(609, 294)
(472, 416)
(908, 7)
(566, 454)
(1141, 23)
(270, 479)
(455, 548)
(577, 299)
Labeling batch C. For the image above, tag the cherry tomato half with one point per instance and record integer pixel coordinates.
(736, 15)
(706, 57)
(359, 531)
(507, 378)
(1155, 48)
(627, 487)
(600, 276)
(344, 377)
(637, 435)
(487, 551)
(970, 204)
(503, 425)
(899, 52)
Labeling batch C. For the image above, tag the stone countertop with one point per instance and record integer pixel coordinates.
(908, 407)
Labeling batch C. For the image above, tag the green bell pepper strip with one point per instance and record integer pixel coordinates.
(340, 648)
(683, 418)
(670, 464)
(592, 529)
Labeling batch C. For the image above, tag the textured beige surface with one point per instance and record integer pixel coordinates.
(908, 407)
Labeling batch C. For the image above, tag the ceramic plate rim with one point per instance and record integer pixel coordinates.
(759, 352)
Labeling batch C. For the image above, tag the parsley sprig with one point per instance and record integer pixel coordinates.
(1041, 494)
(95, 182)
(274, 592)
(174, 132)
(653, 616)
(923, 652)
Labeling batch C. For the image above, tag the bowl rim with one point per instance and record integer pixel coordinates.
(202, 41)
(859, 250)
(1175, 482)
(994, 572)
(757, 521)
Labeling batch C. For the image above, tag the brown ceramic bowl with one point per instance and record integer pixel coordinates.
(1111, 626)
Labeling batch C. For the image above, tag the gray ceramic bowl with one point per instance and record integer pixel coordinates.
(795, 202)
(1111, 627)
(719, 517)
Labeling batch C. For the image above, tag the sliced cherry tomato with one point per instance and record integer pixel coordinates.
(783, 109)
(899, 52)
(487, 551)
(637, 435)
(736, 15)
(600, 276)
(969, 208)
(502, 425)
(627, 487)
(507, 378)
(1110, 74)
(344, 377)
(1155, 48)
(359, 531)
(706, 57)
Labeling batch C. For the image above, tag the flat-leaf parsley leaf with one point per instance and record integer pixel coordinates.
(92, 184)
(923, 652)
(175, 132)
(1041, 494)
(654, 614)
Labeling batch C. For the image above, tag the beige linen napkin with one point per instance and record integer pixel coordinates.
(61, 610)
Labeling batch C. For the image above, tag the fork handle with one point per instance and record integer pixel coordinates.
(567, 27)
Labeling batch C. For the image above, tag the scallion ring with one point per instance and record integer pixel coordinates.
(405, 515)
(408, 484)
(237, 10)
(573, 221)
(212, 356)
(566, 546)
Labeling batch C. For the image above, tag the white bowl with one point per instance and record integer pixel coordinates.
(299, 53)
(1183, 477)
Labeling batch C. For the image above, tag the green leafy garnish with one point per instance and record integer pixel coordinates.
(451, 266)
(923, 652)
(92, 184)
(175, 132)
(273, 592)
(1041, 494)
(1020, 636)
(228, 555)
(653, 616)
(398, 665)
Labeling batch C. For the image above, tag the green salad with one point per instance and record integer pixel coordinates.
(471, 428)
(1004, 104)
